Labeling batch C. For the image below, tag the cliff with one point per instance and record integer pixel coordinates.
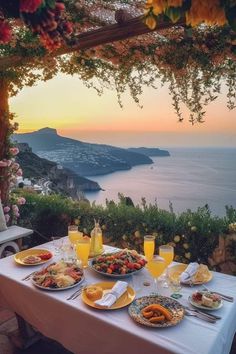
(83, 158)
(59, 180)
(152, 152)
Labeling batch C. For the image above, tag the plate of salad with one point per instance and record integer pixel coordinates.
(118, 265)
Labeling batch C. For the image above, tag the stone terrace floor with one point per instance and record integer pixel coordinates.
(10, 340)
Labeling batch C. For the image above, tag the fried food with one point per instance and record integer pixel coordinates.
(156, 313)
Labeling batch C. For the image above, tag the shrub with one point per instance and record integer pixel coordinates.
(194, 235)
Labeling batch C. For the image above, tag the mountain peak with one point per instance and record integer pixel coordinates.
(47, 131)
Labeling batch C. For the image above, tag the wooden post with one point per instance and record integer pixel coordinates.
(4, 131)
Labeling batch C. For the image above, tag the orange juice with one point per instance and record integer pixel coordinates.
(149, 246)
(156, 267)
(167, 252)
(82, 250)
(75, 236)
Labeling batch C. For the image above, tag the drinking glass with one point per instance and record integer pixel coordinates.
(82, 250)
(74, 234)
(156, 267)
(175, 285)
(69, 254)
(166, 252)
(57, 244)
(149, 246)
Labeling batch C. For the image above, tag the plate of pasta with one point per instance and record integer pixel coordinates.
(58, 276)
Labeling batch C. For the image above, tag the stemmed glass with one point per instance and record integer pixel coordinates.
(82, 250)
(166, 252)
(74, 234)
(156, 267)
(149, 246)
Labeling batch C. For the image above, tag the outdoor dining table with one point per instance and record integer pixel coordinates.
(85, 330)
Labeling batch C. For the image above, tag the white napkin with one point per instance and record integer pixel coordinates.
(110, 298)
(189, 272)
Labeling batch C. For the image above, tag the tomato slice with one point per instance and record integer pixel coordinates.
(45, 256)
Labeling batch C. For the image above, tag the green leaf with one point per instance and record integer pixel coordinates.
(174, 13)
(231, 17)
(51, 3)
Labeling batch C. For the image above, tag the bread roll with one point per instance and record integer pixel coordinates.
(94, 292)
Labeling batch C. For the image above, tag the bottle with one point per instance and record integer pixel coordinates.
(96, 240)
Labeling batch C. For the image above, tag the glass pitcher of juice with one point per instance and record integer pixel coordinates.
(96, 240)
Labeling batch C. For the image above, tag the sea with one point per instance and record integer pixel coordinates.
(188, 179)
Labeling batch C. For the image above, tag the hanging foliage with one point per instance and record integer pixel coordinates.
(195, 12)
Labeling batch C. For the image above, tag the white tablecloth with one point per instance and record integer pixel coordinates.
(84, 330)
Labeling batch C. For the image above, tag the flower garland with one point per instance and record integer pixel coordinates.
(46, 18)
(12, 171)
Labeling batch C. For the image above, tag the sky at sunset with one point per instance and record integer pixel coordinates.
(75, 111)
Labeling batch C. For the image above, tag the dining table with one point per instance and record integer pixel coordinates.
(85, 330)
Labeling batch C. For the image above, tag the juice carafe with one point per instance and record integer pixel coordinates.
(96, 240)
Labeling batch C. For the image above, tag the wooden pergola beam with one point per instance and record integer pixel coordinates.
(104, 35)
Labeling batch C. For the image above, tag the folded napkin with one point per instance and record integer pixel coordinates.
(110, 298)
(189, 272)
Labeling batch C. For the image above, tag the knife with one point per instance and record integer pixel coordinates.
(209, 315)
(224, 297)
(199, 315)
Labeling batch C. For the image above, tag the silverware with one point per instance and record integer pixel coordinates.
(77, 292)
(200, 316)
(210, 315)
(224, 297)
(27, 277)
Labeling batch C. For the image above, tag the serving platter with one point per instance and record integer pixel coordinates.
(124, 260)
(54, 275)
(57, 289)
(170, 304)
(19, 257)
(122, 301)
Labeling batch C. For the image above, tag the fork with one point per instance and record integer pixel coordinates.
(77, 292)
(210, 315)
(225, 297)
(27, 277)
(199, 315)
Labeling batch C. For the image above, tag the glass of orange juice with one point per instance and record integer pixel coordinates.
(156, 267)
(82, 250)
(149, 246)
(166, 252)
(74, 234)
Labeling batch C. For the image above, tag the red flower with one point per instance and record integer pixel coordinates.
(5, 32)
(29, 5)
(67, 27)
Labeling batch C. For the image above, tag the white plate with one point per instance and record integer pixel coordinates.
(195, 304)
(58, 289)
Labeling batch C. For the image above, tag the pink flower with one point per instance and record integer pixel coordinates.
(17, 215)
(6, 209)
(15, 166)
(3, 163)
(7, 217)
(21, 201)
(19, 172)
(30, 5)
(14, 151)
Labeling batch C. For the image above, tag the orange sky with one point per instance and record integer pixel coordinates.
(66, 104)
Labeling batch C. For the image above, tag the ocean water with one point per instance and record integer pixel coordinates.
(189, 178)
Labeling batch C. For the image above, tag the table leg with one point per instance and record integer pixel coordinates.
(28, 335)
